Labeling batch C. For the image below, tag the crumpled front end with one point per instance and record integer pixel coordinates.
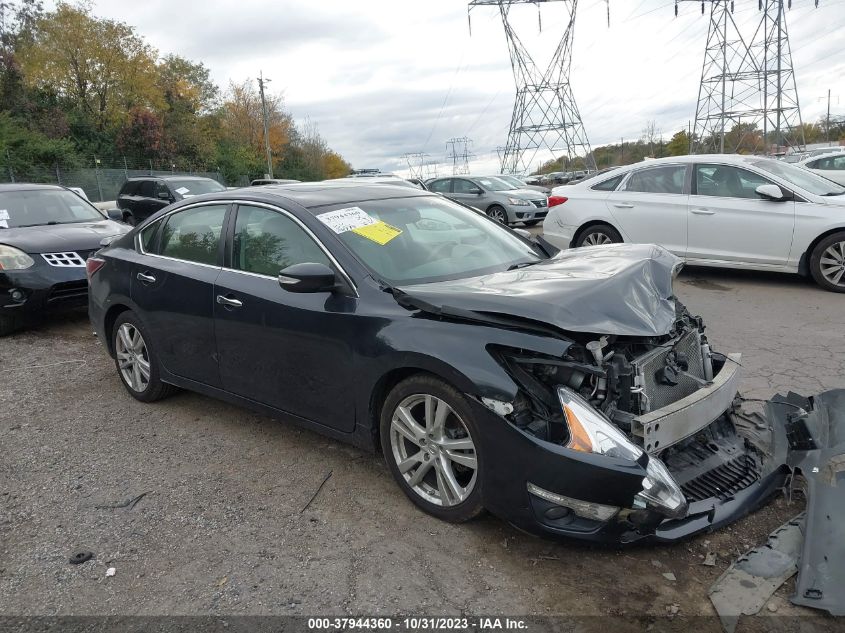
(637, 438)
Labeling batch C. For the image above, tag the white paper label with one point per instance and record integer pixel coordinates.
(4, 214)
(4, 224)
(182, 191)
(348, 219)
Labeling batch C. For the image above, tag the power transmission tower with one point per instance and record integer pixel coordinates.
(416, 164)
(747, 94)
(458, 154)
(545, 116)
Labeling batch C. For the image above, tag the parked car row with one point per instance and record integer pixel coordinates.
(721, 210)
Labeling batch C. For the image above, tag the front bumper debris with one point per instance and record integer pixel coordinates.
(813, 544)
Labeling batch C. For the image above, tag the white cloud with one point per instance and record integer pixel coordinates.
(385, 77)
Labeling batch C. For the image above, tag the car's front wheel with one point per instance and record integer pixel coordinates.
(498, 213)
(598, 235)
(827, 262)
(136, 362)
(429, 439)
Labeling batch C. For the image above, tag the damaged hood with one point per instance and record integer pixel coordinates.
(622, 289)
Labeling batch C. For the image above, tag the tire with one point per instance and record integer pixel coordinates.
(9, 324)
(128, 350)
(598, 234)
(411, 398)
(498, 213)
(532, 223)
(827, 262)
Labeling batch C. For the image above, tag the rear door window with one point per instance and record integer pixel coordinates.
(194, 234)
(147, 188)
(662, 179)
(440, 186)
(610, 184)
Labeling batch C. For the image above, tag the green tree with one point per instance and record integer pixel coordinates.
(679, 144)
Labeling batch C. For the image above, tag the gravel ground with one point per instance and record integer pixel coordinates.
(221, 527)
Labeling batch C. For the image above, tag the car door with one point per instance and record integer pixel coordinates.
(467, 191)
(284, 349)
(730, 222)
(173, 286)
(650, 206)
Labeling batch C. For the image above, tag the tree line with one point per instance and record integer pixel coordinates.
(744, 138)
(74, 86)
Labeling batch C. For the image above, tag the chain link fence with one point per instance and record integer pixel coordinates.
(100, 183)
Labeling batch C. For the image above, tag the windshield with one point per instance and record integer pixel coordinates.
(512, 180)
(34, 207)
(419, 240)
(800, 177)
(188, 188)
(494, 184)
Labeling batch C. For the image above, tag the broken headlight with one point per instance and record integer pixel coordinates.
(661, 492)
(591, 432)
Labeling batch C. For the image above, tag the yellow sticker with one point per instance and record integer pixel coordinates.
(380, 232)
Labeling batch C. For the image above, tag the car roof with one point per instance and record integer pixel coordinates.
(172, 177)
(313, 195)
(26, 186)
(814, 157)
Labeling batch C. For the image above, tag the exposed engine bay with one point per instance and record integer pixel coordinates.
(671, 395)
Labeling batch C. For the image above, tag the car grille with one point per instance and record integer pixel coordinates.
(540, 203)
(69, 290)
(658, 395)
(723, 481)
(64, 260)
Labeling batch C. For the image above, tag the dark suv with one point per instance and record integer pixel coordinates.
(140, 197)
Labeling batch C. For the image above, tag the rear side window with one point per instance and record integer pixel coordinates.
(663, 179)
(440, 186)
(610, 184)
(194, 234)
(148, 237)
(147, 188)
(130, 188)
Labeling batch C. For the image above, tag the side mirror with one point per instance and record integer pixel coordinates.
(164, 195)
(115, 214)
(771, 192)
(308, 277)
(526, 234)
(477, 191)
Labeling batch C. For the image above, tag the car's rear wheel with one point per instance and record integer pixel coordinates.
(827, 262)
(136, 362)
(498, 213)
(598, 235)
(428, 437)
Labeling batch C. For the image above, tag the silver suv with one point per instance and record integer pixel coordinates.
(498, 199)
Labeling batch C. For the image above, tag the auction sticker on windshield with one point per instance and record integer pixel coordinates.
(380, 232)
(348, 219)
(182, 191)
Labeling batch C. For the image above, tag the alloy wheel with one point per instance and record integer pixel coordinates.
(132, 357)
(832, 263)
(499, 215)
(597, 239)
(433, 450)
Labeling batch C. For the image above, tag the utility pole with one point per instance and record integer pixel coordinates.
(827, 124)
(261, 82)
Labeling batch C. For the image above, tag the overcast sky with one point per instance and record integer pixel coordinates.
(386, 77)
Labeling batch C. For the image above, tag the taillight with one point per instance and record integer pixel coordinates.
(92, 265)
(556, 200)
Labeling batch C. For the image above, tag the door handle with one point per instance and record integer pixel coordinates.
(231, 303)
(623, 205)
(147, 279)
(703, 212)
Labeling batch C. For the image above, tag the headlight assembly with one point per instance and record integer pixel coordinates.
(519, 202)
(14, 259)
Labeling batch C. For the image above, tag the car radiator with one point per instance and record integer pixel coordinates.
(653, 393)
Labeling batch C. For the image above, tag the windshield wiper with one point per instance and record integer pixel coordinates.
(522, 265)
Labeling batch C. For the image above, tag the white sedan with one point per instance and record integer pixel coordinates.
(721, 210)
(830, 165)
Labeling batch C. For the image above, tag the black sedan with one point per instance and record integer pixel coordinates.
(47, 233)
(568, 393)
